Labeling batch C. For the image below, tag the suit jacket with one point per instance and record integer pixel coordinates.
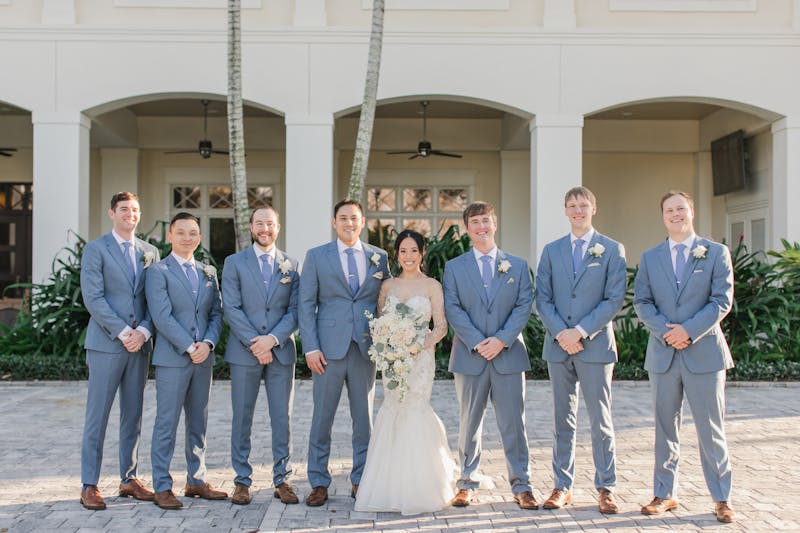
(328, 312)
(474, 317)
(180, 318)
(112, 299)
(251, 312)
(704, 298)
(590, 299)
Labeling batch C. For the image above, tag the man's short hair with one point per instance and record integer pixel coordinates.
(577, 192)
(675, 192)
(347, 201)
(479, 208)
(122, 196)
(265, 206)
(183, 215)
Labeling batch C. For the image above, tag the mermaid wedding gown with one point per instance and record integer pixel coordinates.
(409, 466)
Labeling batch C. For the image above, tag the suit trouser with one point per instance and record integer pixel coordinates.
(185, 387)
(706, 396)
(358, 373)
(107, 373)
(568, 380)
(507, 392)
(279, 386)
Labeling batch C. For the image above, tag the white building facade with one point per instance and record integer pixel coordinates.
(622, 96)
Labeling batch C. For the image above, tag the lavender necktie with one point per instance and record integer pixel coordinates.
(131, 267)
(352, 272)
(680, 263)
(266, 270)
(486, 273)
(191, 273)
(577, 256)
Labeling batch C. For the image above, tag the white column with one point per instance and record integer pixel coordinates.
(60, 184)
(703, 195)
(309, 182)
(556, 166)
(515, 183)
(559, 14)
(310, 13)
(785, 188)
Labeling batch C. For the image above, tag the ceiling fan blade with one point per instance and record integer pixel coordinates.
(182, 152)
(445, 154)
(220, 152)
(5, 154)
(406, 152)
(414, 156)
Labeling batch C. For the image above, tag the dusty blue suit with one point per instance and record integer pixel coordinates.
(252, 310)
(332, 320)
(704, 298)
(589, 298)
(181, 318)
(475, 317)
(114, 301)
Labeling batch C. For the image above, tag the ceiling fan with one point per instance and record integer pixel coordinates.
(204, 147)
(424, 148)
(6, 152)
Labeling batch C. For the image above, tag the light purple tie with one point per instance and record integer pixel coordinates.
(131, 267)
(486, 273)
(680, 263)
(577, 256)
(266, 270)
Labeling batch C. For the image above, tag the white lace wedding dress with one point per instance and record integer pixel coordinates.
(409, 466)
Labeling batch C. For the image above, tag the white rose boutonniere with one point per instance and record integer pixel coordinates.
(597, 250)
(503, 266)
(375, 259)
(285, 266)
(147, 259)
(210, 271)
(699, 252)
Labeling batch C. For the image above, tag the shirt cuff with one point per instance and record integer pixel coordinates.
(124, 333)
(313, 351)
(210, 344)
(144, 331)
(277, 342)
(582, 331)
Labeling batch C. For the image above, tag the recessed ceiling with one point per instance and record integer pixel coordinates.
(436, 109)
(190, 107)
(658, 111)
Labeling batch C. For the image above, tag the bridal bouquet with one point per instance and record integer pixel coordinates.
(397, 335)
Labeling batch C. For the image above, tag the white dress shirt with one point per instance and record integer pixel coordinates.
(492, 253)
(673, 253)
(361, 260)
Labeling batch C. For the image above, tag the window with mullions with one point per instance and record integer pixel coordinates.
(428, 210)
(213, 205)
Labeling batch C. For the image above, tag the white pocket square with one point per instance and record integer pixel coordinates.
(698, 270)
(378, 275)
(590, 265)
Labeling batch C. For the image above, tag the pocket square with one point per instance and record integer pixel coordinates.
(208, 284)
(510, 281)
(698, 270)
(378, 275)
(286, 279)
(590, 265)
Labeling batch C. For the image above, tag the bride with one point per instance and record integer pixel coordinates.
(409, 466)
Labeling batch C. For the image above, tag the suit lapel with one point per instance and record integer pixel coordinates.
(178, 271)
(474, 274)
(114, 248)
(497, 277)
(665, 259)
(332, 253)
(370, 269)
(688, 268)
(586, 257)
(139, 262)
(276, 275)
(251, 263)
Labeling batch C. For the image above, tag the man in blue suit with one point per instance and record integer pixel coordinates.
(259, 295)
(118, 344)
(183, 297)
(683, 290)
(580, 287)
(339, 282)
(488, 298)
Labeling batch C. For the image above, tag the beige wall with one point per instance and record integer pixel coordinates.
(18, 168)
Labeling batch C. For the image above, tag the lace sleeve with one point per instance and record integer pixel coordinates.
(382, 297)
(437, 311)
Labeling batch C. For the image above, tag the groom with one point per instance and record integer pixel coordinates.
(339, 282)
(488, 299)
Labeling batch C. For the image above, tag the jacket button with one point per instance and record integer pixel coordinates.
(574, 296)
(569, 318)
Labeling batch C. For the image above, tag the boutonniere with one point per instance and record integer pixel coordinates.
(597, 250)
(147, 259)
(700, 252)
(375, 259)
(286, 279)
(378, 275)
(285, 266)
(210, 271)
(503, 266)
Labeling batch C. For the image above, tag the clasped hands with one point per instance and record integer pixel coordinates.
(570, 340)
(490, 348)
(261, 348)
(133, 340)
(677, 337)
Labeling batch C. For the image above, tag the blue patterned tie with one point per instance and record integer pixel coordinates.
(266, 270)
(131, 267)
(577, 256)
(680, 263)
(352, 272)
(486, 273)
(191, 273)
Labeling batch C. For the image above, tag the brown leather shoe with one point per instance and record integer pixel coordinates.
(463, 498)
(318, 496)
(205, 491)
(659, 505)
(241, 494)
(91, 499)
(525, 500)
(607, 503)
(285, 493)
(354, 491)
(167, 500)
(558, 499)
(724, 513)
(134, 489)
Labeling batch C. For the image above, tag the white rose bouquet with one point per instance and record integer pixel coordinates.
(397, 335)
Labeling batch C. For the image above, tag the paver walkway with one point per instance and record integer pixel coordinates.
(41, 424)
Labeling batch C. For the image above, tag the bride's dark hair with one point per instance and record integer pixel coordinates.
(418, 238)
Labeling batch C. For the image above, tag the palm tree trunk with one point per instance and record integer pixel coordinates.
(236, 127)
(364, 138)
